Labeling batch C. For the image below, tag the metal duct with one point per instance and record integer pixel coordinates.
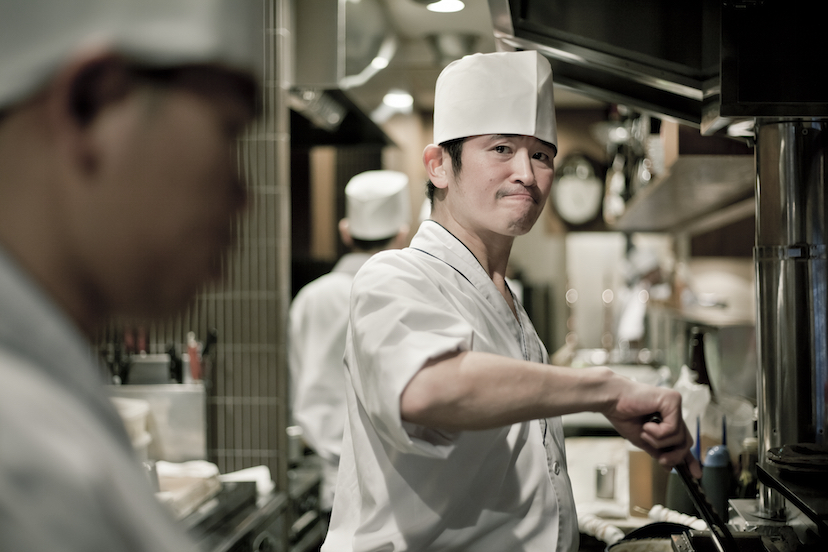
(791, 257)
(339, 45)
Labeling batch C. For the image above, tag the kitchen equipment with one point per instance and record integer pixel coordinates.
(149, 369)
(721, 534)
(235, 520)
(653, 537)
(792, 283)
(605, 481)
(176, 418)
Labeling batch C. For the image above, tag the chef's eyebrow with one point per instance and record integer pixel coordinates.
(544, 142)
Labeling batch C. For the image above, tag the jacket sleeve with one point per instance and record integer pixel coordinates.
(400, 319)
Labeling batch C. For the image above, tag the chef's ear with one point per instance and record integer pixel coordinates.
(345, 233)
(435, 160)
(79, 93)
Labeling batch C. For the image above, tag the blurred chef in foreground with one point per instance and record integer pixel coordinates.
(376, 218)
(454, 438)
(118, 193)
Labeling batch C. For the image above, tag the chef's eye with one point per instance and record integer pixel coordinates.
(501, 149)
(541, 156)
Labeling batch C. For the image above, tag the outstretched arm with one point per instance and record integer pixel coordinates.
(475, 390)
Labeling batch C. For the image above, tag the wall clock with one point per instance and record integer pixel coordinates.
(577, 192)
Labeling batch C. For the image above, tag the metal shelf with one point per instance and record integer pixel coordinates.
(694, 193)
(808, 492)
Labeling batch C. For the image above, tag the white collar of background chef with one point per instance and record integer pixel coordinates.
(377, 204)
(37, 36)
(499, 93)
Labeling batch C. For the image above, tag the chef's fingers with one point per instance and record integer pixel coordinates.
(668, 436)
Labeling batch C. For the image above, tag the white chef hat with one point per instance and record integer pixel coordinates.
(377, 204)
(498, 93)
(37, 36)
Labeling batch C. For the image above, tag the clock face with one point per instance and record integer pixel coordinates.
(578, 198)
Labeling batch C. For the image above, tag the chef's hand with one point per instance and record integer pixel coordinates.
(665, 438)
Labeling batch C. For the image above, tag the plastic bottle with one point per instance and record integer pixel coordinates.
(717, 476)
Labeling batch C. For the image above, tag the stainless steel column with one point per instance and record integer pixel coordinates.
(792, 286)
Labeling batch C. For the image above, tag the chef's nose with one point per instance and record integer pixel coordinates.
(522, 168)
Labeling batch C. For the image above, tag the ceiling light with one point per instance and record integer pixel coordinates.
(446, 6)
(398, 99)
(379, 62)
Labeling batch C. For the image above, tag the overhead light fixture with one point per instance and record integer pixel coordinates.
(395, 102)
(446, 6)
(398, 99)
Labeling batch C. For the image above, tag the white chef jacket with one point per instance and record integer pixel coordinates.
(69, 477)
(408, 487)
(316, 347)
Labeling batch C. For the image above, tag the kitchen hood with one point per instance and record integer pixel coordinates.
(705, 63)
(659, 57)
(339, 45)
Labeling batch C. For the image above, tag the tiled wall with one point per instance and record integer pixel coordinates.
(247, 410)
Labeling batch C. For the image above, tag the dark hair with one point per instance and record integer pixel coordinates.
(455, 150)
(371, 245)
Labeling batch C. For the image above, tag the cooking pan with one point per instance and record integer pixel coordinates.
(653, 537)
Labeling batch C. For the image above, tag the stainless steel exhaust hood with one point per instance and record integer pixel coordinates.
(705, 63)
(337, 43)
(660, 57)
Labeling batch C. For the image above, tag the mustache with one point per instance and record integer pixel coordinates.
(520, 190)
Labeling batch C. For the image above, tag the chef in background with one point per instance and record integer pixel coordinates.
(454, 439)
(118, 195)
(376, 219)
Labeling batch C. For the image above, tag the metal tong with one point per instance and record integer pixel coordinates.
(722, 537)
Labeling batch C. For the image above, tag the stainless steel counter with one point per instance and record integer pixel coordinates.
(236, 521)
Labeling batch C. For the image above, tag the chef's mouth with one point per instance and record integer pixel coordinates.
(522, 194)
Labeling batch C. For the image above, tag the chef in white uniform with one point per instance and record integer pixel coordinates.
(454, 439)
(377, 213)
(118, 190)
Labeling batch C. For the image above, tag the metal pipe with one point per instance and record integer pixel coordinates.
(791, 257)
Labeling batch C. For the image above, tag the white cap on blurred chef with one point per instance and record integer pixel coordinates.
(377, 205)
(499, 93)
(157, 34)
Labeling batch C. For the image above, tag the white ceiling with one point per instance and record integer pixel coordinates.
(416, 65)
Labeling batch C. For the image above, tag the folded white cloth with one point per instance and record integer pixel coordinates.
(259, 474)
(660, 513)
(589, 524)
(201, 469)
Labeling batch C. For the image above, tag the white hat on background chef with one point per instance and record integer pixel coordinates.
(377, 204)
(498, 93)
(37, 36)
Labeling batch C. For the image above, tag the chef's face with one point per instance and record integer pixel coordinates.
(169, 191)
(503, 184)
